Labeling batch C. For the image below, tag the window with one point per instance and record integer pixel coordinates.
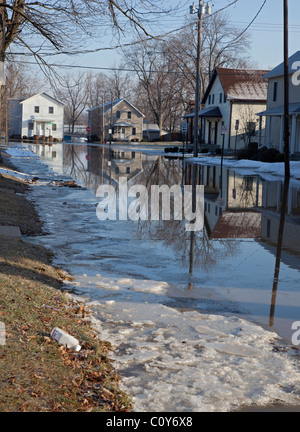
(127, 170)
(225, 98)
(31, 126)
(51, 110)
(213, 99)
(118, 114)
(129, 115)
(54, 127)
(36, 109)
(133, 131)
(221, 98)
(275, 90)
(209, 99)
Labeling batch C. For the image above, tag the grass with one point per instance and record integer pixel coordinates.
(36, 373)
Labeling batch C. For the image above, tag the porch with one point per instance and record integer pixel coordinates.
(275, 128)
(40, 128)
(123, 131)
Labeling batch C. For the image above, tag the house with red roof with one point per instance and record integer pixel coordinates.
(228, 114)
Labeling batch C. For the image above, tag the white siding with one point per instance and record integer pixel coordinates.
(225, 108)
(44, 120)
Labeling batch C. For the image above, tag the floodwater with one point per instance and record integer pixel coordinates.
(200, 321)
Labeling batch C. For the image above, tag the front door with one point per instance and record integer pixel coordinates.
(123, 133)
(40, 128)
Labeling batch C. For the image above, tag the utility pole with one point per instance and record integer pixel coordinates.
(286, 92)
(201, 11)
(103, 119)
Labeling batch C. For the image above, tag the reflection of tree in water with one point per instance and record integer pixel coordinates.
(193, 249)
(160, 172)
(247, 192)
(84, 170)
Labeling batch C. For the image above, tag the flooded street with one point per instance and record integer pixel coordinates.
(197, 321)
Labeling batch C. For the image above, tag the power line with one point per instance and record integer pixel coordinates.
(248, 72)
(249, 25)
(159, 37)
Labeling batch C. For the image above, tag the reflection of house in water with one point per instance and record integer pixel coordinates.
(270, 211)
(106, 166)
(230, 202)
(125, 164)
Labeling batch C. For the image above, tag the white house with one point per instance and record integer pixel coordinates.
(229, 107)
(121, 117)
(39, 115)
(274, 114)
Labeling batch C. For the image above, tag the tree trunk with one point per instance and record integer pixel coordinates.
(2, 33)
(160, 126)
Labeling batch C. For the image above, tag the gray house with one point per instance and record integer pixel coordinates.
(274, 113)
(120, 117)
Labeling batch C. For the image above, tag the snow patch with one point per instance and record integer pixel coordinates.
(19, 152)
(255, 167)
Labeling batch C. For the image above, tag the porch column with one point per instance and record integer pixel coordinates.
(281, 134)
(260, 132)
(293, 134)
(269, 132)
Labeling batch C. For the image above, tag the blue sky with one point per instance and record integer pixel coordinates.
(266, 32)
(267, 29)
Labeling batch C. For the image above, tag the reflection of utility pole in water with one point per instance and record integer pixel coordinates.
(191, 258)
(286, 158)
(279, 248)
(192, 236)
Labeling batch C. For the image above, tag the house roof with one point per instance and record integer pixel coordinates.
(294, 108)
(42, 94)
(240, 84)
(279, 70)
(207, 112)
(107, 106)
(237, 225)
(123, 124)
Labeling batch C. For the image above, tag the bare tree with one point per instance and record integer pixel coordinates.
(120, 84)
(96, 88)
(104, 88)
(71, 92)
(248, 124)
(223, 45)
(167, 69)
(62, 24)
(21, 83)
(157, 76)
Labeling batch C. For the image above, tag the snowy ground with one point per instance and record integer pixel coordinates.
(172, 358)
(245, 166)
